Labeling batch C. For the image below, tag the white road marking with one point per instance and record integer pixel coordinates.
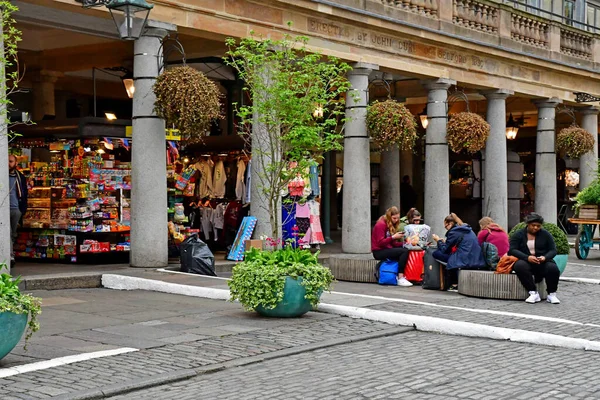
(424, 303)
(57, 362)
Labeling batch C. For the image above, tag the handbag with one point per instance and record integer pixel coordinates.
(505, 264)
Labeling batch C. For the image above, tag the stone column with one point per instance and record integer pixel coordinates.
(437, 183)
(496, 191)
(356, 219)
(588, 163)
(389, 180)
(546, 201)
(4, 181)
(515, 188)
(43, 94)
(149, 231)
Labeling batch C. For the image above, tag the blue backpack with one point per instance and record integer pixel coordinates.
(388, 272)
(490, 255)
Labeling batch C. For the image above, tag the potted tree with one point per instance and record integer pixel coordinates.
(560, 239)
(281, 283)
(16, 309)
(296, 110)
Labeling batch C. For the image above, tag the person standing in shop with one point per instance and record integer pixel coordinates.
(18, 200)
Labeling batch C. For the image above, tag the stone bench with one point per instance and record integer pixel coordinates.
(353, 267)
(488, 285)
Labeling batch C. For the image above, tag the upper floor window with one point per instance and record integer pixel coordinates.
(593, 17)
(569, 11)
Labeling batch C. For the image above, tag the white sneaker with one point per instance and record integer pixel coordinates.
(534, 297)
(552, 298)
(403, 282)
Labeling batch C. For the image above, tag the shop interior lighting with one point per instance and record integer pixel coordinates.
(129, 85)
(110, 116)
(423, 118)
(318, 113)
(512, 127)
(87, 149)
(100, 150)
(186, 160)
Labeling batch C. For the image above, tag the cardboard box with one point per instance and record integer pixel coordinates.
(253, 244)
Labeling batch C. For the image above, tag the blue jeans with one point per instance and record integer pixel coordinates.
(15, 217)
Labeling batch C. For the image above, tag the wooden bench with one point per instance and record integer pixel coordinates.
(488, 285)
(353, 267)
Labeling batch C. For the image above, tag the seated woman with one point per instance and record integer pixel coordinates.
(386, 242)
(493, 233)
(459, 249)
(416, 234)
(535, 249)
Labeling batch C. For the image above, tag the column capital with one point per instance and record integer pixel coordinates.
(589, 110)
(496, 93)
(438, 84)
(362, 68)
(547, 103)
(158, 28)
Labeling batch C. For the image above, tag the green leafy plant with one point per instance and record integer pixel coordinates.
(259, 280)
(12, 300)
(391, 124)
(560, 238)
(574, 141)
(187, 99)
(467, 132)
(296, 112)
(589, 195)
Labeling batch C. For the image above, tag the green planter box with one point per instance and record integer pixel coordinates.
(293, 303)
(561, 262)
(12, 327)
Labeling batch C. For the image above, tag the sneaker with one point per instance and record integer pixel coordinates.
(552, 299)
(534, 297)
(403, 282)
(453, 288)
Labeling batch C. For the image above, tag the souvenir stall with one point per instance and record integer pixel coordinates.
(301, 222)
(78, 200)
(208, 193)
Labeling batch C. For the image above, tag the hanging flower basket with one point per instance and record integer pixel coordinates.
(574, 141)
(391, 124)
(467, 132)
(188, 100)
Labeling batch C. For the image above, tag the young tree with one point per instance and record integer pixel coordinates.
(296, 110)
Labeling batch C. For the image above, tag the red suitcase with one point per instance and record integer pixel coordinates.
(415, 266)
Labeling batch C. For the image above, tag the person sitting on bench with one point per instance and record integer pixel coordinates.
(387, 242)
(459, 249)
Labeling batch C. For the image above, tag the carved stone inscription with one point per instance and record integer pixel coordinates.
(408, 47)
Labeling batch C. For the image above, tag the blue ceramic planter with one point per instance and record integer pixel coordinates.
(561, 262)
(293, 303)
(12, 327)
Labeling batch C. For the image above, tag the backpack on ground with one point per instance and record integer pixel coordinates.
(490, 255)
(388, 272)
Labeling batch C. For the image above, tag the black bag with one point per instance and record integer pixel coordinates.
(435, 276)
(196, 257)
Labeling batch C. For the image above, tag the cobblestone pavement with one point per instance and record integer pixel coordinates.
(413, 365)
(174, 333)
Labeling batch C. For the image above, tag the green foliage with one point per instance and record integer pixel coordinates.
(560, 238)
(574, 141)
(589, 195)
(9, 65)
(391, 124)
(12, 300)
(287, 83)
(260, 278)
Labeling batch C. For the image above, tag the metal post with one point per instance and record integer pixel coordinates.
(326, 197)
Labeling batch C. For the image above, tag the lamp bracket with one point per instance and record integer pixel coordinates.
(561, 109)
(382, 82)
(457, 95)
(581, 97)
(94, 3)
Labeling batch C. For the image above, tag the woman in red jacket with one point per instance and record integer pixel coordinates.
(387, 241)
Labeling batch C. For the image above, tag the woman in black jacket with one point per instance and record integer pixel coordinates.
(535, 249)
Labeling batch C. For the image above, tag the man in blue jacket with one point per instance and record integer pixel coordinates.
(18, 200)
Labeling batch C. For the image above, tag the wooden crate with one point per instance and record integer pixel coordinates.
(588, 212)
